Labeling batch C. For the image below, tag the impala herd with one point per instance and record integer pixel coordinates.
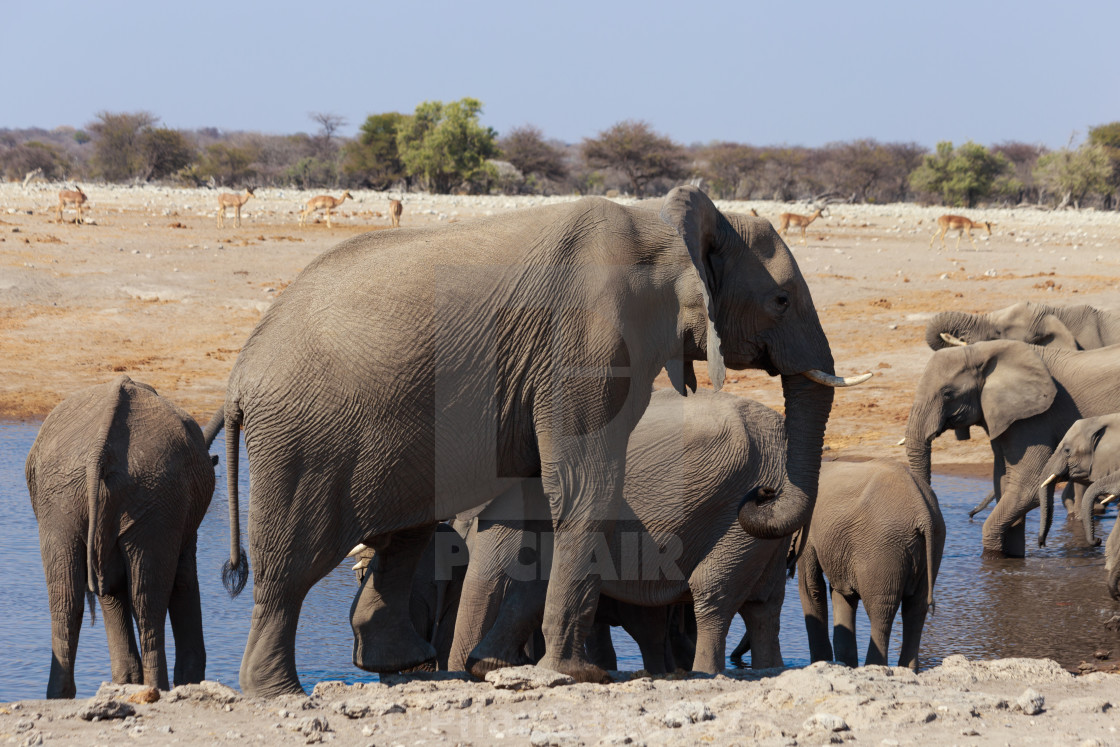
(77, 198)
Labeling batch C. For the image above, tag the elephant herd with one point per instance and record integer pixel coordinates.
(498, 375)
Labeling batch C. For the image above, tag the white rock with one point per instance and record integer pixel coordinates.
(824, 722)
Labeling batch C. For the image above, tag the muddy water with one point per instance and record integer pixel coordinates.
(1051, 604)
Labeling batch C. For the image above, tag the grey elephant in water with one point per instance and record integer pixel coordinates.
(877, 534)
(120, 479)
(1076, 327)
(1026, 397)
(1105, 491)
(1087, 453)
(407, 376)
(694, 466)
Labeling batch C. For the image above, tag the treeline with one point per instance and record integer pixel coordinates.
(444, 148)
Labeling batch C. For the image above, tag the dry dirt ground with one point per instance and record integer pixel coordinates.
(150, 286)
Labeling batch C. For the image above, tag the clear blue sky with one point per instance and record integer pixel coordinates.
(800, 73)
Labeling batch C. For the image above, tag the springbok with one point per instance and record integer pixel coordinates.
(75, 197)
(396, 207)
(961, 225)
(230, 200)
(323, 202)
(798, 221)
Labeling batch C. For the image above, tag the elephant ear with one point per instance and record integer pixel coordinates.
(1051, 332)
(1017, 385)
(697, 221)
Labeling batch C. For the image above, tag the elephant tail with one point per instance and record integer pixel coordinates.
(235, 571)
(926, 530)
(98, 539)
(91, 600)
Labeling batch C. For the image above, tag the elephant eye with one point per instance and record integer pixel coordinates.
(782, 301)
(947, 394)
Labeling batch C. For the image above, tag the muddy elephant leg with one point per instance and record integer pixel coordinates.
(763, 621)
(914, 609)
(600, 647)
(880, 612)
(814, 605)
(844, 627)
(385, 639)
(65, 568)
(124, 654)
(711, 637)
(185, 611)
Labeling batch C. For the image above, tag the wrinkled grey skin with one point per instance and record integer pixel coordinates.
(690, 463)
(1026, 398)
(1088, 452)
(120, 479)
(877, 535)
(436, 587)
(1107, 488)
(407, 376)
(1077, 327)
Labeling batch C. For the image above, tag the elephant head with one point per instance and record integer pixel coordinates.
(1088, 452)
(990, 384)
(760, 314)
(1032, 323)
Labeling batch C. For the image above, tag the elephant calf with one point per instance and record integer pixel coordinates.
(877, 534)
(691, 461)
(120, 479)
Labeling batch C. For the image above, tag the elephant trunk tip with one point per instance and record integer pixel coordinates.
(235, 574)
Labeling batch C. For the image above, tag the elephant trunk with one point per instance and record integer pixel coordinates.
(1057, 471)
(924, 426)
(1088, 499)
(1114, 582)
(807, 407)
(967, 327)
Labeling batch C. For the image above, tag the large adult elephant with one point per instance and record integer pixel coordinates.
(1078, 327)
(679, 537)
(1087, 453)
(406, 376)
(1026, 397)
(120, 479)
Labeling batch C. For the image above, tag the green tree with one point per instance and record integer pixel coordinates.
(165, 152)
(633, 148)
(1075, 174)
(730, 169)
(445, 144)
(526, 148)
(372, 160)
(118, 144)
(1108, 137)
(963, 175)
(226, 164)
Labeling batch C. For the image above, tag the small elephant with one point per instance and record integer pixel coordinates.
(120, 479)
(1077, 327)
(691, 462)
(1087, 453)
(1026, 397)
(1106, 490)
(877, 534)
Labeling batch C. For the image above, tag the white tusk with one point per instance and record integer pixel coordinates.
(953, 340)
(356, 550)
(821, 377)
(1048, 480)
(901, 441)
(1111, 497)
(360, 564)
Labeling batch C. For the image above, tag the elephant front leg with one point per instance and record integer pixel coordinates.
(711, 638)
(385, 639)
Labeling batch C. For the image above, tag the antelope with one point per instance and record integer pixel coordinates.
(67, 197)
(229, 200)
(961, 225)
(798, 221)
(754, 212)
(396, 207)
(321, 202)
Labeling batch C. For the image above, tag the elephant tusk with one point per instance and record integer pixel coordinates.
(901, 441)
(360, 564)
(356, 550)
(953, 340)
(820, 377)
(1109, 499)
(1048, 480)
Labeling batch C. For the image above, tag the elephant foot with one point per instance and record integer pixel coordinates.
(392, 652)
(480, 667)
(580, 671)
(998, 554)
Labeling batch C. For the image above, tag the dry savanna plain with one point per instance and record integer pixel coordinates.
(151, 287)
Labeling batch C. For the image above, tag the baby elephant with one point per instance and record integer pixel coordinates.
(120, 479)
(1089, 452)
(877, 534)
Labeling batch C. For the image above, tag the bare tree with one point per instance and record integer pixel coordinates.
(633, 148)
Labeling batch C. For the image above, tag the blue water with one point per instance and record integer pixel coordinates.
(1050, 604)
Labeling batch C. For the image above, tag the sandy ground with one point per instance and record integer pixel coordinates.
(150, 286)
(1006, 702)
